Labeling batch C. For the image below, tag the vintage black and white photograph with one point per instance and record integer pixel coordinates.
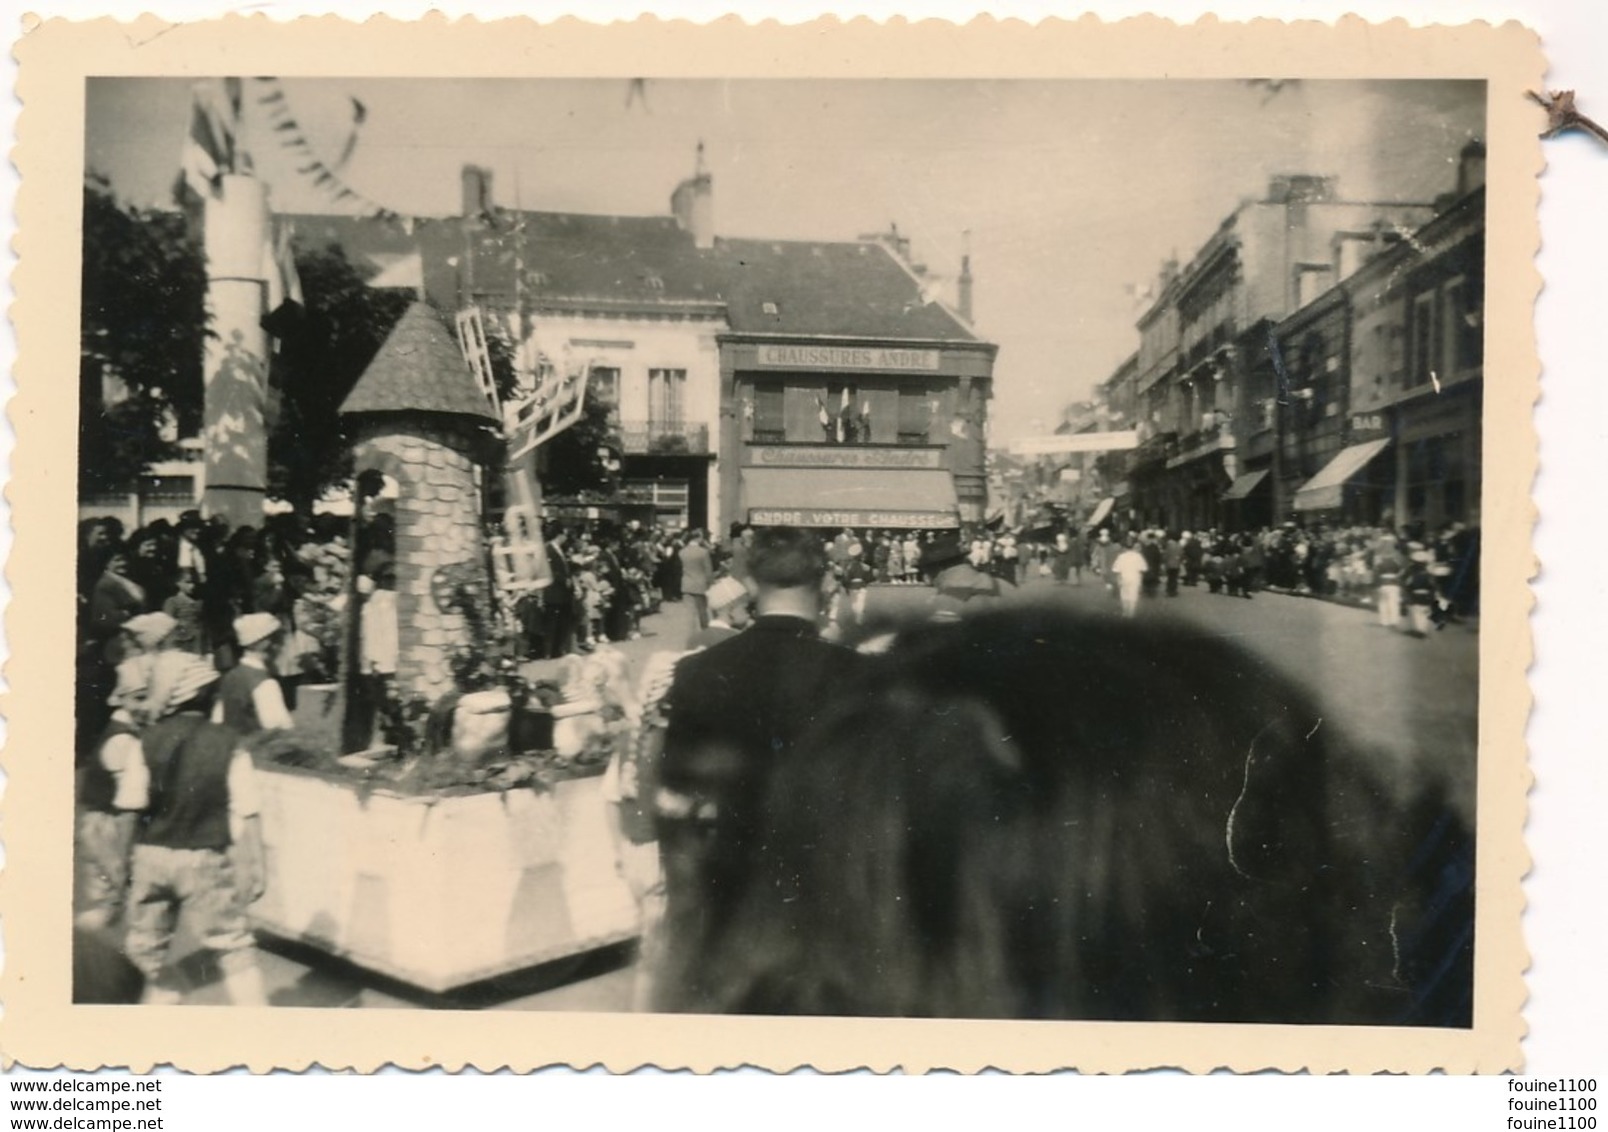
(849, 564)
(974, 549)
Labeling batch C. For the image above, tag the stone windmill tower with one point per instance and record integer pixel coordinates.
(420, 415)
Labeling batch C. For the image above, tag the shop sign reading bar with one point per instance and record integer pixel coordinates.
(824, 517)
(847, 357)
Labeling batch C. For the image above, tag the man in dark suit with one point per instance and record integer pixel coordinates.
(558, 613)
(734, 712)
(697, 572)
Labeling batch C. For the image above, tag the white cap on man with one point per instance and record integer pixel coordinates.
(254, 628)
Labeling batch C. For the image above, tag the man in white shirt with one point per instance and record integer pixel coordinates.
(1129, 568)
(381, 643)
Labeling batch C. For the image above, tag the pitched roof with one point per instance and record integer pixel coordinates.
(566, 256)
(419, 369)
(849, 289)
(633, 259)
(825, 288)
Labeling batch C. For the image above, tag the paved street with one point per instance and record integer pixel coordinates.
(1410, 702)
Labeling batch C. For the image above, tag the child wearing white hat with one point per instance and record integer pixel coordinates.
(250, 699)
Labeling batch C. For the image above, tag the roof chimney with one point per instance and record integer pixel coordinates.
(964, 298)
(894, 241)
(693, 204)
(476, 190)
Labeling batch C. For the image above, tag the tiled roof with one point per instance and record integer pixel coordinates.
(847, 289)
(835, 289)
(567, 256)
(419, 369)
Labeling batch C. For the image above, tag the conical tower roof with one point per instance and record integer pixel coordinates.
(419, 369)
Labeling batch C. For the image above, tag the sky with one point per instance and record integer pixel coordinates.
(1070, 193)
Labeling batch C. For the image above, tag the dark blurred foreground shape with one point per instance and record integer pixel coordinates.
(102, 974)
(1032, 814)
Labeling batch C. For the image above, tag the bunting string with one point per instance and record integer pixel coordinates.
(271, 97)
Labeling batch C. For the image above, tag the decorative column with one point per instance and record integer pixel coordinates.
(235, 362)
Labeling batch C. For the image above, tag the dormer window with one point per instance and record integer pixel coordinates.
(770, 308)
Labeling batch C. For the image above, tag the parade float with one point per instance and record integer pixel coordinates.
(445, 824)
(466, 836)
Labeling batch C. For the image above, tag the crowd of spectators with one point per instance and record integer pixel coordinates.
(1347, 563)
(205, 574)
(603, 578)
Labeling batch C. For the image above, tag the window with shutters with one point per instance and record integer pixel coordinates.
(770, 415)
(666, 398)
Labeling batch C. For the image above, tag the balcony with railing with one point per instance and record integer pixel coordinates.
(1202, 442)
(1207, 345)
(664, 438)
(1156, 448)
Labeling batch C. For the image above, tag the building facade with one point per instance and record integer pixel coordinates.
(856, 435)
(1417, 378)
(1306, 338)
(748, 381)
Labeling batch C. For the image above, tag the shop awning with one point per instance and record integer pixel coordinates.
(1324, 490)
(1101, 511)
(850, 497)
(1242, 486)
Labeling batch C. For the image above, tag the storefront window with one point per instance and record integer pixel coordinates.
(1437, 480)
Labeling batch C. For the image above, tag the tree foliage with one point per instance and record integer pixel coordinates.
(142, 331)
(322, 353)
(143, 335)
(582, 460)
